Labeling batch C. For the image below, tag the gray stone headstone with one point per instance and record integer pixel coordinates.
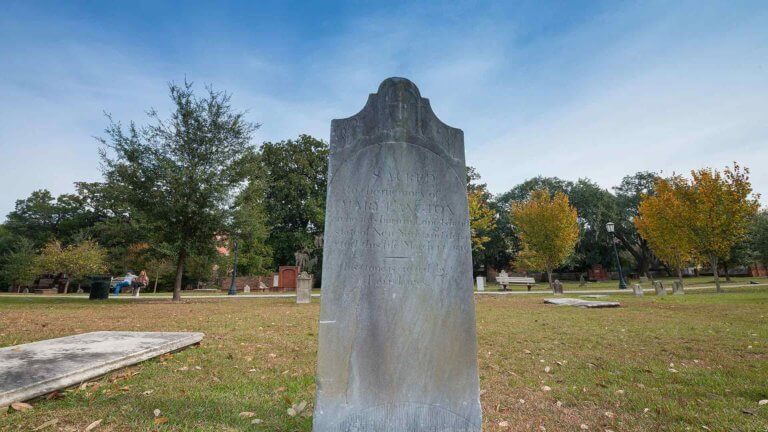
(37, 368)
(637, 289)
(557, 287)
(304, 288)
(677, 288)
(481, 283)
(397, 349)
(658, 286)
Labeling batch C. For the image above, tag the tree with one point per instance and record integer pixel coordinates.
(251, 226)
(41, 217)
(629, 194)
(758, 236)
(83, 259)
(662, 223)
(18, 264)
(75, 261)
(720, 206)
(482, 220)
(548, 230)
(294, 176)
(595, 207)
(181, 174)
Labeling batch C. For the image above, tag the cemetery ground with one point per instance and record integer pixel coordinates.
(692, 362)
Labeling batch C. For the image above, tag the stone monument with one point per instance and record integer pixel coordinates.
(637, 289)
(304, 288)
(557, 287)
(677, 288)
(481, 283)
(658, 286)
(397, 349)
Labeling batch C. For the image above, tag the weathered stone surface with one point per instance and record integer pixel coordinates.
(658, 287)
(37, 368)
(481, 283)
(397, 324)
(581, 303)
(637, 289)
(304, 288)
(677, 288)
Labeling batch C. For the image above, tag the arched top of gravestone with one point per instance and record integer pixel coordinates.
(396, 113)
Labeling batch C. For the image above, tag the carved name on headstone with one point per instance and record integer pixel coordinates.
(397, 346)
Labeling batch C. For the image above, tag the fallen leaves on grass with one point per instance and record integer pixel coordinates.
(156, 412)
(21, 406)
(93, 425)
(161, 420)
(546, 388)
(46, 424)
(296, 409)
(763, 402)
(247, 414)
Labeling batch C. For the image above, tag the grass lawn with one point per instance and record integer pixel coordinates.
(677, 363)
(699, 281)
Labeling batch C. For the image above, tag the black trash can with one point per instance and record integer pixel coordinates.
(99, 288)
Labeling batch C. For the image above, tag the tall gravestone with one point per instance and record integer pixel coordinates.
(397, 322)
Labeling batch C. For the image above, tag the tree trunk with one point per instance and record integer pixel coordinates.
(680, 276)
(157, 276)
(179, 275)
(66, 285)
(727, 273)
(549, 278)
(713, 262)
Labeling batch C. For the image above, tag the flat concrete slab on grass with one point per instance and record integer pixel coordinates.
(37, 368)
(581, 303)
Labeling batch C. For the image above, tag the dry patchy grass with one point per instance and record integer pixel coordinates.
(670, 363)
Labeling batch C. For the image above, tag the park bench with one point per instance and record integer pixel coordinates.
(116, 280)
(504, 280)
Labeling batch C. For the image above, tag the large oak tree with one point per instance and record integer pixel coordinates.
(182, 173)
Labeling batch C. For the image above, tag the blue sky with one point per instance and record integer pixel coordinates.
(569, 89)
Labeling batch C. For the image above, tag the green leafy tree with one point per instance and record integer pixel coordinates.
(252, 230)
(181, 174)
(629, 194)
(41, 217)
(758, 236)
(294, 174)
(595, 207)
(83, 259)
(17, 265)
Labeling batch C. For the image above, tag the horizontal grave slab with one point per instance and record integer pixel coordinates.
(37, 368)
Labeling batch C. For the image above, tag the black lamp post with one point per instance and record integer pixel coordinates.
(611, 227)
(232, 286)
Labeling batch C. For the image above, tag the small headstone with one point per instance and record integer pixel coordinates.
(303, 288)
(557, 287)
(263, 286)
(582, 282)
(677, 288)
(643, 279)
(37, 368)
(397, 350)
(275, 281)
(480, 283)
(80, 290)
(637, 289)
(247, 288)
(658, 286)
(26, 290)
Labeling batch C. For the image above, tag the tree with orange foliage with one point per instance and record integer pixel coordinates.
(720, 207)
(662, 222)
(482, 219)
(548, 230)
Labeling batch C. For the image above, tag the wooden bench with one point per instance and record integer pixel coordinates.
(504, 280)
(116, 280)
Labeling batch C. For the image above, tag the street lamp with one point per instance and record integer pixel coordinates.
(232, 286)
(611, 228)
